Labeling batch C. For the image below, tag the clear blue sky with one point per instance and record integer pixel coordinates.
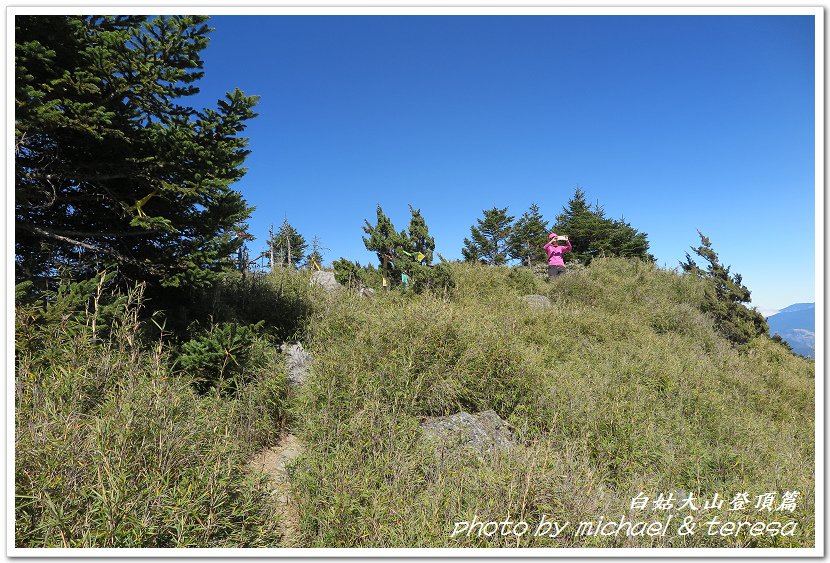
(676, 123)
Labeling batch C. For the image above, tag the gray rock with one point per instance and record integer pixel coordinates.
(482, 433)
(366, 292)
(325, 280)
(298, 362)
(537, 302)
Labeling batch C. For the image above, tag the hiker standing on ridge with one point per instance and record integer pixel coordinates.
(556, 264)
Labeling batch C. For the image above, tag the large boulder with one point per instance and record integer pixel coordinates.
(537, 302)
(298, 362)
(482, 433)
(325, 280)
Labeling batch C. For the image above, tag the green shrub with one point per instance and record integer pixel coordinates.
(349, 274)
(726, 296)
(222, 358)
(524, 280)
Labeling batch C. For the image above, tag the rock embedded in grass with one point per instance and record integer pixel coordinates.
(325, 280)
(298, 362)
(537, 302)
(483, 433)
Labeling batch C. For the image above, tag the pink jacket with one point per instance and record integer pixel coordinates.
(555, 253)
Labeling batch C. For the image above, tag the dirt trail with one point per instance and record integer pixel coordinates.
(272, 461)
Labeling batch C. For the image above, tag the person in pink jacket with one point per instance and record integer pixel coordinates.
(556, 263)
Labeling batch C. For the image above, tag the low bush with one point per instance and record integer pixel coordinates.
(222, 359)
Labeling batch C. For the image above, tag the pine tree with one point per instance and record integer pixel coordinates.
(489, 242)
(593, 234)
(316, 254)
(419, 239)
(625, 240)
(403, 251)
(385, 241)
(726, 296)
(111, 166)
(528, 238)
(288, 246)
(583, 225)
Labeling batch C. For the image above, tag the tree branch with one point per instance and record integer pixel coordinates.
(108, 251)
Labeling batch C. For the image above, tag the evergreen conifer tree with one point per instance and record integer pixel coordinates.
(593, 234)
(316, 254)
(726, 296)
(383, 239)
(386, 242)
(410, 252)
(288, 246)
(111, 166)
(489, 239)
(419, 239)
(348, 273)
(528, 238)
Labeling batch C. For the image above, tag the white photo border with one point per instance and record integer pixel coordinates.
(458, 7)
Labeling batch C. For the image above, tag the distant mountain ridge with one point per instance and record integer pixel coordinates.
(798, 307)
(796, 326)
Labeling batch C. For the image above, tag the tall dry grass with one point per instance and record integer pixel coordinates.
(622, 387)
(114, 449)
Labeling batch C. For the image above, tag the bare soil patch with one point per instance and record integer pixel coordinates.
(272, 461)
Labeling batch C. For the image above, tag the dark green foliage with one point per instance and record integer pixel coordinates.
(288, 246)
(383, 239)
(348, 273)
(725, 296)
(419, 238)
(410, 252)
(109, 166)
(220, 358)
(94, 306)
(280, 299)
(593, 234)
(489, 242)
(528, 238)
(777, 338)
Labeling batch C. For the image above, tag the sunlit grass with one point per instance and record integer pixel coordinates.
(622, 386)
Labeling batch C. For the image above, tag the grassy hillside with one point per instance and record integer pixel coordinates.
(621, 387)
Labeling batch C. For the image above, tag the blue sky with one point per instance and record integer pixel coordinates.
(676, 123)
